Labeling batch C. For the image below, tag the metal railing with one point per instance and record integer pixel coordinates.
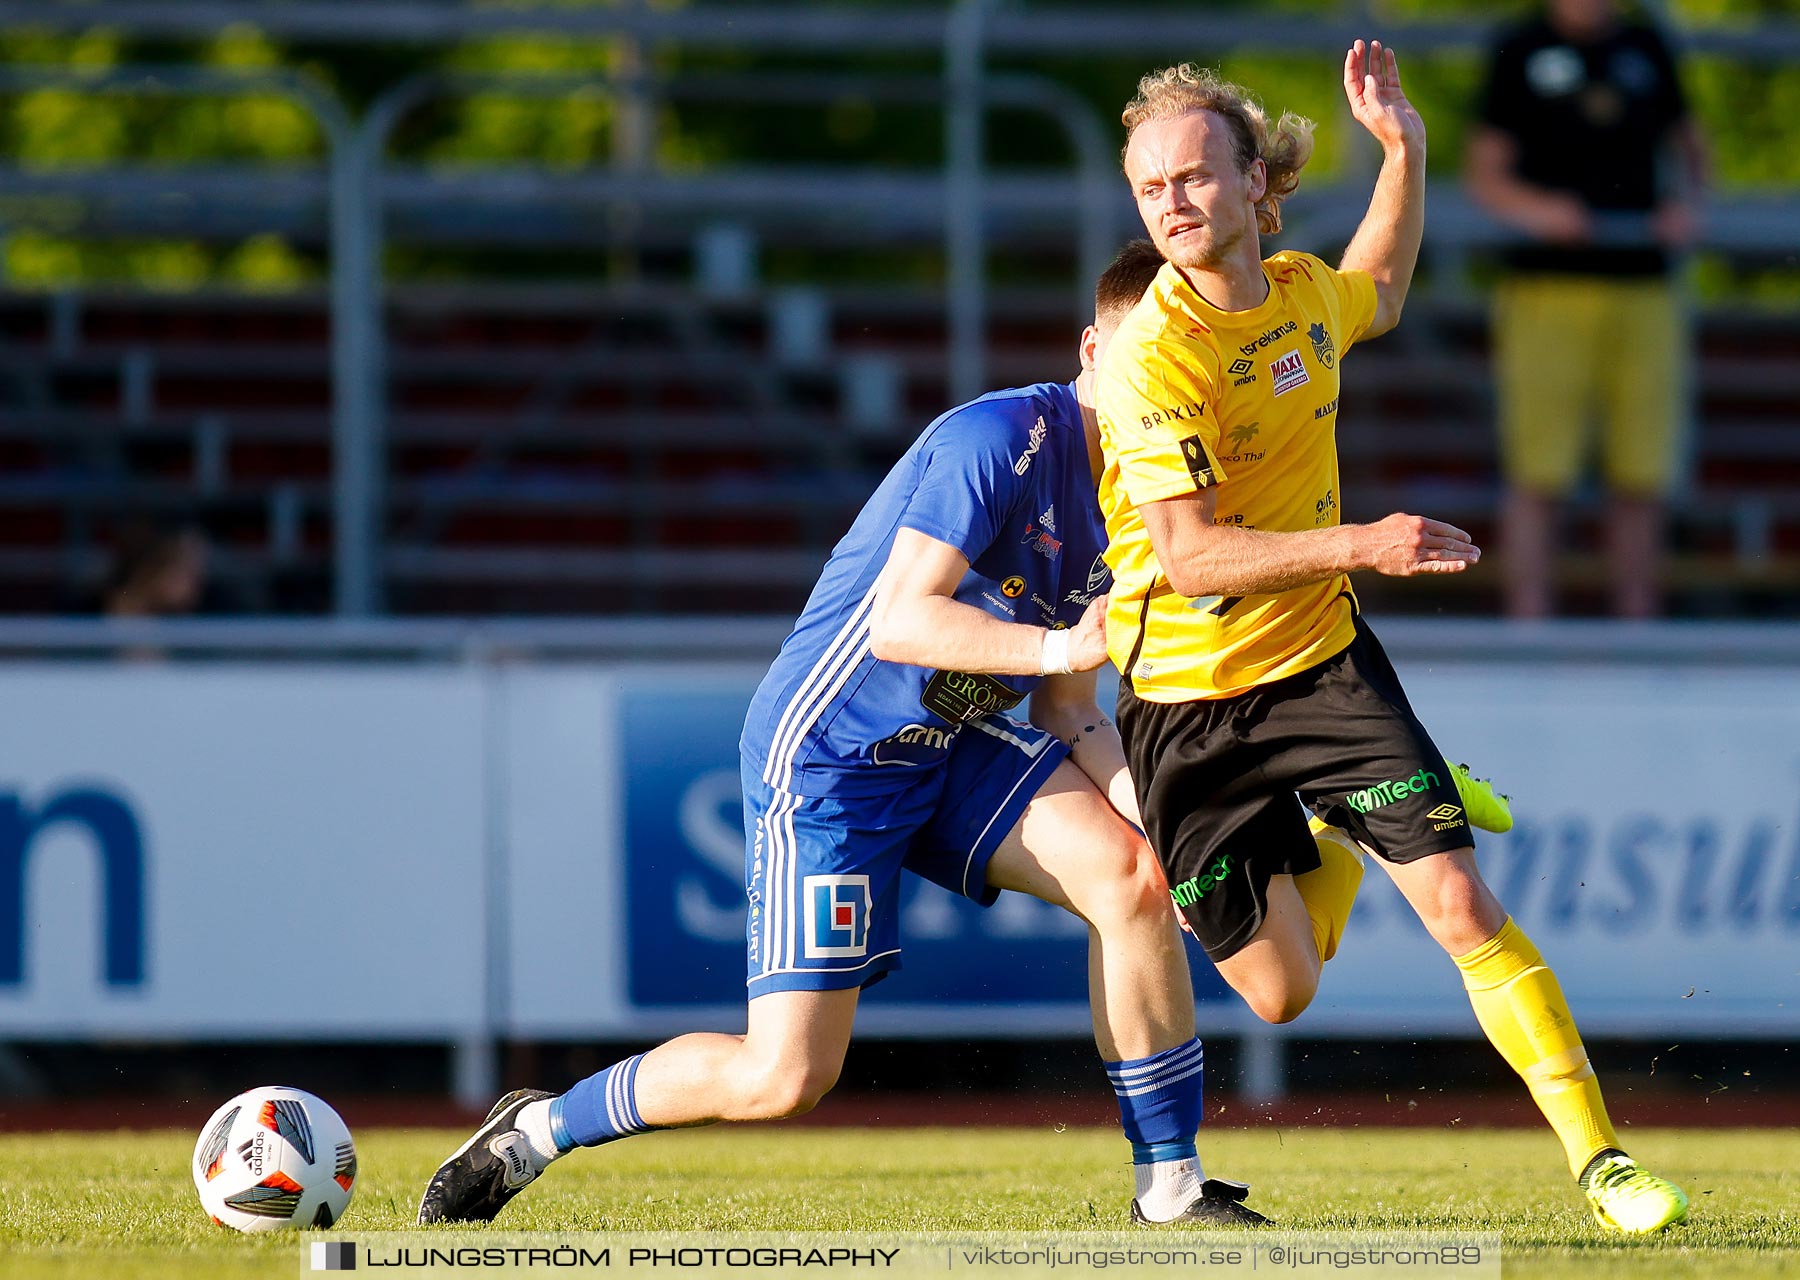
(1718, 645)
(359, 186)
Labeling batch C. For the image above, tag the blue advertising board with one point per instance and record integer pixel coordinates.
(1020, 965)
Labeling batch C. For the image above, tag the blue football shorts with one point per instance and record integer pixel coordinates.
(823, 872)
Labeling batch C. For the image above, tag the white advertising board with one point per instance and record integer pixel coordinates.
(551, 851)
(241, 851)
(1656, 860)
(560, 841)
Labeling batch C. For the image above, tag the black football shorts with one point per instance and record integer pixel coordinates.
(1217, 781)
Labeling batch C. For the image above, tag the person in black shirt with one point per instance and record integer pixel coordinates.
(1580, 117)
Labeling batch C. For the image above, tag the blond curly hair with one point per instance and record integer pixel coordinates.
(1175, 91)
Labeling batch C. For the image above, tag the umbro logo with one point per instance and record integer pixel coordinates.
(1446, 816)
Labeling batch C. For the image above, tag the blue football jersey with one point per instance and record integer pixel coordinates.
(1004, 479)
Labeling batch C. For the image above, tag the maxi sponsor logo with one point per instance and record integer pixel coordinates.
(1382, 794)
(109, 820)
(1288, 372)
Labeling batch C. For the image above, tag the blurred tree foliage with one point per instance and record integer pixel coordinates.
(1751, 113)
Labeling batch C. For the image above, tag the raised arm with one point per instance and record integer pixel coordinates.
(917, 619)
(1386, 245)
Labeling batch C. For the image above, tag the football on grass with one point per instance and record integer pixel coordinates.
(274, 1157)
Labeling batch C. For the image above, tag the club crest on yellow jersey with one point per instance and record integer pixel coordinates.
(1323, 347)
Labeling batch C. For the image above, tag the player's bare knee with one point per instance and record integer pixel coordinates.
(806, 1089)
(1279, 1002)
(1125, 887)
(1290, 1006)
(1463, 913)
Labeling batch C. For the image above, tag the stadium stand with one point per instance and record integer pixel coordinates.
(692, 434)
(652, 450)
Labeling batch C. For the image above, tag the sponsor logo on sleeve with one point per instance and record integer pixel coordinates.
(1199, 466)
(1288, 372)
(1178, 413)
(1032, 444)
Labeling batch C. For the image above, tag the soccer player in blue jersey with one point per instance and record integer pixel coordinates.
(880, 741)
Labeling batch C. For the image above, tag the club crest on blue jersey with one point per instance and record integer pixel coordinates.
(837, 916)
(1098, 578)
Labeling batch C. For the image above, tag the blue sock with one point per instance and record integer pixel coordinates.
(1160, 1101)
(599, 1109)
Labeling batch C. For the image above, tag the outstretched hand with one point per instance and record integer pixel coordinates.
(1372, 84)
(1403, 545)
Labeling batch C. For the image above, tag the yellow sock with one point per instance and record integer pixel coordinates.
(1330, 891)
(1520, 1006)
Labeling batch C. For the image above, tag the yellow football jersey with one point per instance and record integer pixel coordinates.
(1190, 396)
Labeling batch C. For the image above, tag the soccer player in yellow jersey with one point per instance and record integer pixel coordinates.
(1247, 672)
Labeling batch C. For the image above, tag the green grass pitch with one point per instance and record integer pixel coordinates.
(122, 1204)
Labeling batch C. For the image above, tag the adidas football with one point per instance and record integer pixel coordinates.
(274, 1157)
